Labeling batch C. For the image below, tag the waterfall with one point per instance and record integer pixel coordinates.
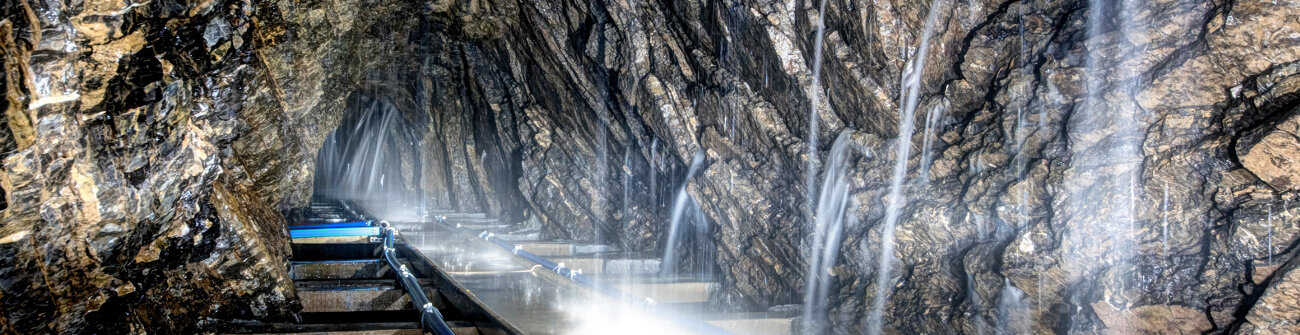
(1013, 310)
(972, 6)
(653, 164)
(679, 208)
(1270, 235)
(1021, 137)
(1106, 135)
(927, 142)
(1164, 219)
(832, 206)
(356, 165)
(910, 95)
(602, 178)
(976, 306)
(814, 94)
(627, 183)
(1128, 151)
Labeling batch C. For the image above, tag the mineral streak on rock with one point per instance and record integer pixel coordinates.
(148, 146)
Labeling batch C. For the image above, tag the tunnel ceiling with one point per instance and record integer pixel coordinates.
(149, 149)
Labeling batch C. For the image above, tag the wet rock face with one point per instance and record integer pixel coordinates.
(121, 211)
(1091, 167)
(1270, 153)
(146, 148)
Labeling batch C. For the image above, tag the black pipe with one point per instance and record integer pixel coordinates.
(430, 318)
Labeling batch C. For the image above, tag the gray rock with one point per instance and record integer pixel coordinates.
(218, 30)
(579, 119)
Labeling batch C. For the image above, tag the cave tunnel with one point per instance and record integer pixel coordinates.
(669, 167)
(375, 141)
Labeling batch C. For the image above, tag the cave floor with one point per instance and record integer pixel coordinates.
(538, 301)
(526, 295)
(483, 285)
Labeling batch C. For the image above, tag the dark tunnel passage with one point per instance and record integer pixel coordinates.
(394, 149)
(367, 157)
(407, 158)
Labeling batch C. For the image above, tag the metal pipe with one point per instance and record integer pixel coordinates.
(334, 232)
(325, 220)
(355, 224)
(430, 318)
(575, 275)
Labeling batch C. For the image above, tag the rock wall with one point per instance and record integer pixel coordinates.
(596, 108)
(148, 146)
(140, 139)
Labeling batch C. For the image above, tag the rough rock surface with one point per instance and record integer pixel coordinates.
(148, 146)
(1271, 153)
(1278, 309)
(581, 117)
(602, 105)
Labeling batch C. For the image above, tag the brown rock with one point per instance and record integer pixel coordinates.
(1278, 310)
(1159, 319)
(1273, 153)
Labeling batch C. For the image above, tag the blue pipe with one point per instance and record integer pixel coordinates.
(333, 232)
(553, 266)
(355, 224)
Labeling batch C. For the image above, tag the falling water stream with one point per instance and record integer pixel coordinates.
(909, 97)
(1128, 150)
(832, 207)
(653, 168)
(1164, 219)
(927, 143)
(627, 184)
(813, 95)
(602, 175)
(1270, 235)
(1106, 201)
(976, 306)
(1013, 310)
(680, 203)
(359, 166)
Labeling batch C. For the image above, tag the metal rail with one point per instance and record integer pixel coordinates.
(430, 318)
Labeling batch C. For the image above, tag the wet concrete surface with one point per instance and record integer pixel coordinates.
(521, 293)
